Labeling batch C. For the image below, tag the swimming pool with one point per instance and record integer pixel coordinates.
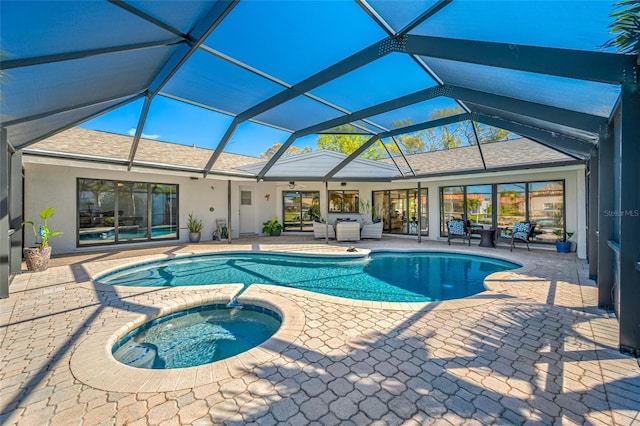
(196, 336)
(381, 276)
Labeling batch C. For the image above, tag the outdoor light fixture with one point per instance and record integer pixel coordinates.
(292, 185)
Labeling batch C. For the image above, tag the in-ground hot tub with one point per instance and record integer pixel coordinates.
(196, 336)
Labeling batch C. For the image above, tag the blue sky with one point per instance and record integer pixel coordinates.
(173, 121)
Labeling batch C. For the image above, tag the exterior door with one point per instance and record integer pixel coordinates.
(300, 209)
(247, 212)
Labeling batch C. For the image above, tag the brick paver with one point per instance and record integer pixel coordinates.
(532, 349)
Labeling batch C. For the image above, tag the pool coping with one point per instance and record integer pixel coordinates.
(93, 364)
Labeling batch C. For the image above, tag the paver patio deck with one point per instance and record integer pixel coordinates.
(533, 348)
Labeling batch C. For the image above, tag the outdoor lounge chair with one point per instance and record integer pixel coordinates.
(320, 230)
(457, 228)
(372, 230)
(521, 231)
(348, 231)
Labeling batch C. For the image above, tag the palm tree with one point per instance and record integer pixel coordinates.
(626, 27)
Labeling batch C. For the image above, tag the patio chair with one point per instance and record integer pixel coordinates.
(320, 230)
(372, 230)
(521, 231)
(347, 231)
(458, 228)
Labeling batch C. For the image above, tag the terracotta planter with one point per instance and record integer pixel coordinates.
(37, 259)
(194, 237)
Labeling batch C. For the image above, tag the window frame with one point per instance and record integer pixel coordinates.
(300, 225)
(343, 192)
(387, 215)
(149, 212)
(494, 203)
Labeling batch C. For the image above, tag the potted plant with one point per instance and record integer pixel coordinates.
(562, 245)
(272, 227)
(37, 258)
(195, 228)
(366, 212)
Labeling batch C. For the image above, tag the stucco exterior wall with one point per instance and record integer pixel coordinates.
(52, 183)
(575, 195)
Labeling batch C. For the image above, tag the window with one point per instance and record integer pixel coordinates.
(511, 204)
(344, 201)
(451, 205)
(424, 211)
(112, 212)
(504, 204)
(133, 202)
(245, 198)
(480, 206)
(546, 208)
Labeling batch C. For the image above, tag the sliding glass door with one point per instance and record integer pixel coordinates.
(112, 212)
(300, 209)
(399, 210)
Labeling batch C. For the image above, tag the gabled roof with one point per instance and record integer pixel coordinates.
(315, 165)
(516, 153)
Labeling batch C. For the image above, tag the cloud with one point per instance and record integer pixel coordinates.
(132, 132)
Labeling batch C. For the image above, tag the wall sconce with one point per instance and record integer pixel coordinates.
(267, 196)
(292, 185)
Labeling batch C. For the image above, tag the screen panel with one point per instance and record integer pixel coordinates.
(53, 27)
(298, 113)
(29, 131)
(562, 24)
(399, 14)
(182, 15)
(576, 95)
(53, 86)
(214, 82)
(292, 40)
(418, 113)
(389, 77)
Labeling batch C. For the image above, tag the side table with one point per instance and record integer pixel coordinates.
(486, 237)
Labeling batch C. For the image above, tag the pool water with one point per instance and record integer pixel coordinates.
(196, 336)
(126, 233)
(382, 276)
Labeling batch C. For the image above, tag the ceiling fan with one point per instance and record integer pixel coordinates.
(292, 185)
